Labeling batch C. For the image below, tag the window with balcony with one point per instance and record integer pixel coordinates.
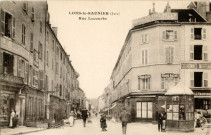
(198, 52)
(8, 63)
(199, 79)
(7, 24)
(198, 33)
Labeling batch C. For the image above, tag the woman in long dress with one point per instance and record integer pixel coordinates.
(71, 118)
(12, 116)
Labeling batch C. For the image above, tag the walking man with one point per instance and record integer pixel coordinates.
(84, 116)
(124, 117)
(160, 124)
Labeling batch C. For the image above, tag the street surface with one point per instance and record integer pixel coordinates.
(93, 128)
(113, 129)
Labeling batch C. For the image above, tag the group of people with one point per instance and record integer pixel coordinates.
(124, 117)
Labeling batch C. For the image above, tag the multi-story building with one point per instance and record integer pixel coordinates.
(161, 50)
(37, 77)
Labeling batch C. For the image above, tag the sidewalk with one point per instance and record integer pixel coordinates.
(23, 130)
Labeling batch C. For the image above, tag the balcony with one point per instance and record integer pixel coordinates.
(11, 79)
(197, 37)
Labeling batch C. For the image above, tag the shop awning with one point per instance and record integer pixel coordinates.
(207, 97)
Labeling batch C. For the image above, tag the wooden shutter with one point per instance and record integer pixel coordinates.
(147, 38)
(204, 34)
(167, 54)
(41, 77)
(146, 57)
(191, 52)
(171, 49)
(2, 22)
(164, 35)
(141, 40)
(175, 35)
(19, 67)
(13, 28)
(26, 73)
(142, 57)
(1, 63)
(205, 52)
(205, 77)
(192, 34)
(191, 79)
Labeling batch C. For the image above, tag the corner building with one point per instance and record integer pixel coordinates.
(161, 50)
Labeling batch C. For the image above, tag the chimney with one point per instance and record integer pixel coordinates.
(168, 8)
(55, 29)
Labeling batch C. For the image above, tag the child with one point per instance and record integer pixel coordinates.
(103, 122)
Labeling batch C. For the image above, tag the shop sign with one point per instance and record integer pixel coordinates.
(202, 94)
(169, 75)
(155, 17)
(195, 65)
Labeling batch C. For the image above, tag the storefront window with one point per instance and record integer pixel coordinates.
(179, 108)
(144, 109)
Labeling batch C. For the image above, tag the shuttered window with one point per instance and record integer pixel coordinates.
(191, 79)
(23, 34)
(169, 35)
(31, 42)
(13, 28)
(169, 55)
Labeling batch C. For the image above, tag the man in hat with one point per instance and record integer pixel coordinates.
(84, 116)
(124, 117)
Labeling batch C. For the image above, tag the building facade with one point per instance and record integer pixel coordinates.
(161, 50)
(37, 77)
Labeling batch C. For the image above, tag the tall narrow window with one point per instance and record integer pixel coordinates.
(32, 18)
(23, 34)
(40, 27)
(144, 54)
(32, 42)
(197, 33)
(40, 51)
(169, 55)
(47, 58)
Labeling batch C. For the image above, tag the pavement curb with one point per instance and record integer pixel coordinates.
(36, 130)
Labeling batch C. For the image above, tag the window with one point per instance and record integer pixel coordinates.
(57, 51)
(169, 55)
(47, 58)
(61, 56)
(40, 51)
(21, 67)
(47, 37)
(144, 109)
(7, 24)
(199, 79)
(144, 55)
(60, 91)
(52, 63)
(144, 82)
(8, 63)
(197, 33)
(169, 79)
(144, 38)
(169, 35)
(32, 42)
(23, 34)
(53, 45)
(25, 7)
(57, 68)
(60, 72)
(33, 16)
(40, 27)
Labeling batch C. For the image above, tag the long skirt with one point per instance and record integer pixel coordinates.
(11, 122)
(71, 120)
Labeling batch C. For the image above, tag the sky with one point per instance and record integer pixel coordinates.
(94, 45)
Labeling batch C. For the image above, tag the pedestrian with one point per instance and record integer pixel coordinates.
(84, 116)
(160, 125)
(71, 118)
(124, 117)
(12, 119)
(103, 124)
(164, 117)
